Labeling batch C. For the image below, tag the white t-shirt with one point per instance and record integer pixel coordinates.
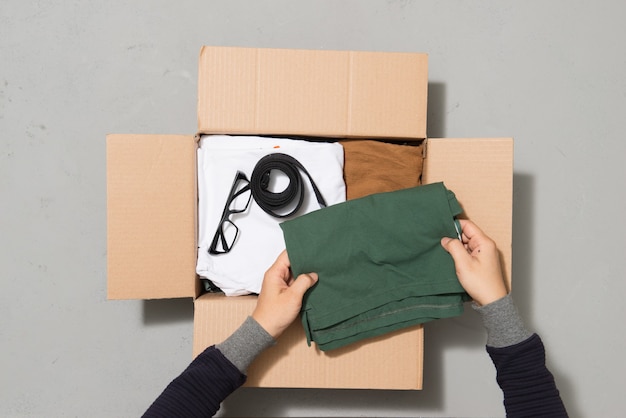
(260, 238)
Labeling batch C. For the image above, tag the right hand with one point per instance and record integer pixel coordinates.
(477, 264)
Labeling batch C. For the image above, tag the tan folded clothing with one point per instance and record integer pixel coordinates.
(374, 167)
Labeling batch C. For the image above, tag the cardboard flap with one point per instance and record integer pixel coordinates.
(151, 216)
(391, 361)
(480, 172)
(314, 93)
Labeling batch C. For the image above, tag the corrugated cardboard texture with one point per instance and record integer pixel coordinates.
(151, 184)
(151, 216)
(393, 361)
(315, 93)
(480, 172)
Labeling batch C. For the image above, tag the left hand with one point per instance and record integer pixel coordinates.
(281, 296)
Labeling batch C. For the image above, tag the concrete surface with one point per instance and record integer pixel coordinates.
(550, 74)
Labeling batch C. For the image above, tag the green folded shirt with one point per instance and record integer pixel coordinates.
(380, 263)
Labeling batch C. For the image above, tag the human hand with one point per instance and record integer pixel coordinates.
(477, 264)
(281, 296)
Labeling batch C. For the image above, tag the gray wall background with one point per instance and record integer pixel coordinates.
(550, 74)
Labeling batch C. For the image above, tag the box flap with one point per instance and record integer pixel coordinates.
(314, 93)
(480, 172)
(392, 361)
(151, 216)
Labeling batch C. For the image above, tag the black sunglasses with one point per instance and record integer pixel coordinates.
(238, 201)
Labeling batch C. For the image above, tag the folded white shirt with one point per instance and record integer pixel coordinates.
(260, 239)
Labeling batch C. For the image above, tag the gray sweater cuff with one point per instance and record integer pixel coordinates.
(245, 344)
(503, 323)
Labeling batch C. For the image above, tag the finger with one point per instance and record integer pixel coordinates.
(303, 283)
(280, 268)
(283, 259)
(473, 236)
(470, 229)
(457, 250)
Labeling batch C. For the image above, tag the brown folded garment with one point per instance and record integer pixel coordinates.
(374, 167)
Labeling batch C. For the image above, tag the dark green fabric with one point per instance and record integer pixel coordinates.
(380, 264)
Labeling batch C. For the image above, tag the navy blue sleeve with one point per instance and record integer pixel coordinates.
(200, 389)
(528, 386)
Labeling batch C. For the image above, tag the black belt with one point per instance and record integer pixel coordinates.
(267, 200)
(272, 202)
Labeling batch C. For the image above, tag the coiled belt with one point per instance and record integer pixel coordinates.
(271, 202)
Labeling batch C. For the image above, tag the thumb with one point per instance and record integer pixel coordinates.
(456, 249)
(303, 283)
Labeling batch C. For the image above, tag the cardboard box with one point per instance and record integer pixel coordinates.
(152, 193)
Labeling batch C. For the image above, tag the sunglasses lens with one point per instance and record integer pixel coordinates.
(238, 201)
(228, 235)
(241, 198)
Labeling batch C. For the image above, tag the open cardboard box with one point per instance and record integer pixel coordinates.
(152, 193)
